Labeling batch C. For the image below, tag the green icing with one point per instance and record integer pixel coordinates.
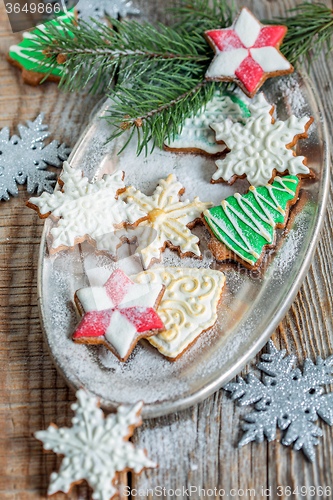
(27, 55)
(244, 107)
(246, 223)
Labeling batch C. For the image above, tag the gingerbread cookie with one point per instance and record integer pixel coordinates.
(29, 60)
(188, 307)
(118, 314)
(95, 448)
(262, 147)
(196, 135)
(168, 221)
(247, 53)
(86, 211)
(243, 227)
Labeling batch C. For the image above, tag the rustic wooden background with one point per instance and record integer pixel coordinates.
(195, 447)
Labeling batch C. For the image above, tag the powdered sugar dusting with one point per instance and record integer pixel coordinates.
(249, 300)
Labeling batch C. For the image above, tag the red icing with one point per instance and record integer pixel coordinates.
(117, 286)
(249, 73)
(96, 323)
(270, 36)
(225, 39)
(143, 318)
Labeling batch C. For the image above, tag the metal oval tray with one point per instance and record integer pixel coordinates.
(253, 304)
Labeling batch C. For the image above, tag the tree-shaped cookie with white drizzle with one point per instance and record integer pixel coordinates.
(243, 227)
(262, 147)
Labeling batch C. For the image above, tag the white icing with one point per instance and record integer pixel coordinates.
(94, 448)
(120, 333)
(247, 28)
(226, 63)
(270, 59)
(94, 299)
(86, 209)
(167, 220)
(141, 296)
(196, 132)
(259, 146)
(188, 306)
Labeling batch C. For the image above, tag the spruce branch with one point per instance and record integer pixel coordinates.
(310, 30)
(160, 70)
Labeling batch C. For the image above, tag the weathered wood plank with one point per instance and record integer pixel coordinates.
(210, 431)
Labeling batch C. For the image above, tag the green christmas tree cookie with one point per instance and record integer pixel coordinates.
(243, 226)
(26, 57)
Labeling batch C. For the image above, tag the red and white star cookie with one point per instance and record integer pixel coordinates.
(247, 53)
(118, 314)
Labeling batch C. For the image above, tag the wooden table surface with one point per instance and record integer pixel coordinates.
(196, 447)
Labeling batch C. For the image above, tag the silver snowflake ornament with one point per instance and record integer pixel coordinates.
(95, 448)
(286, 398)
(24, 158)
(98, 9)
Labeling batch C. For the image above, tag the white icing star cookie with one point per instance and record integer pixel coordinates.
(86, 211)
(95, 448)
(197, 136)
(261, 147)
(168, 220)
(188, 306)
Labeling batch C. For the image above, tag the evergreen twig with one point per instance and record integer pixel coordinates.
(161, 70)
(309, 31)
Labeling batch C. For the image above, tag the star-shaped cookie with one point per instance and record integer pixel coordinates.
(118, 314)
(247, 53)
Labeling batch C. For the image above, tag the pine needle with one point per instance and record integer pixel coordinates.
(160, 70)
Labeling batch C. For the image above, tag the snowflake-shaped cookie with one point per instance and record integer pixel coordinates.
(168, 220)
(197, 136)
(286, 398)
(95, 448)
(247, 52)
(261, 147)
(86, 211)
(24, 159)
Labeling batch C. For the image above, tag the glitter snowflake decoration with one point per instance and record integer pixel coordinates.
(86, 211)
(286, 398)
(260, 146)
(24, 158)
(167, 220)
(95, 448)
(98, 9)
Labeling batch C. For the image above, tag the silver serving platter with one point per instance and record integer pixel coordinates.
(253, 304)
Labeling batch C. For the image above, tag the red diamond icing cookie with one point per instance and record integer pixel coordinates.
(118, 314)
(247, 53)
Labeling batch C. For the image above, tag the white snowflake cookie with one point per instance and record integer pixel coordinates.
(262, 147)
(188, 306)
(168, 221)
(86, 211)
(95, 448)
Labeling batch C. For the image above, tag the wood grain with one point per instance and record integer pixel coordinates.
(194, 448)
